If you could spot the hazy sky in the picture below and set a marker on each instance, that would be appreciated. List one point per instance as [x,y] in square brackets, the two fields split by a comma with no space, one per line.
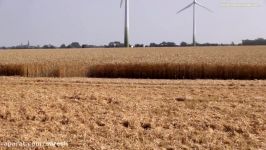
[101,21]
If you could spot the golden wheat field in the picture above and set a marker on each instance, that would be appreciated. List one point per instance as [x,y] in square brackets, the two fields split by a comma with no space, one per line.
[154,63]
[199,55]
[133,114]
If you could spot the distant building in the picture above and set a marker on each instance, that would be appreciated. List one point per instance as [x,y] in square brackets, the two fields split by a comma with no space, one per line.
[22,46]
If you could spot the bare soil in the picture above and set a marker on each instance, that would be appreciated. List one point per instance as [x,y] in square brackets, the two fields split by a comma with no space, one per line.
[133,114]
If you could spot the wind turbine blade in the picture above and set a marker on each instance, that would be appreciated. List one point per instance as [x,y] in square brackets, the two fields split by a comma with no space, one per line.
[197,3]
[185,8]
[121,3]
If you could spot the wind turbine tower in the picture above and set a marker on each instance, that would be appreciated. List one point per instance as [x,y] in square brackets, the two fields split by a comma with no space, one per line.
[193,4]
[126,34]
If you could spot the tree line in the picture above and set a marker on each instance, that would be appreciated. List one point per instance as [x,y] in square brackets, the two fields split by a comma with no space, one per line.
[117,44]
[259,41]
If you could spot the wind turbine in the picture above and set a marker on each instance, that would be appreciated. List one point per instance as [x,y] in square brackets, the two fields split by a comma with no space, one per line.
[126,34]
[193,4]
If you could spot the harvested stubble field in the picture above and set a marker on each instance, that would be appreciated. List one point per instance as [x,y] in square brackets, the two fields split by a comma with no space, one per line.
[133,114]
[155,63]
